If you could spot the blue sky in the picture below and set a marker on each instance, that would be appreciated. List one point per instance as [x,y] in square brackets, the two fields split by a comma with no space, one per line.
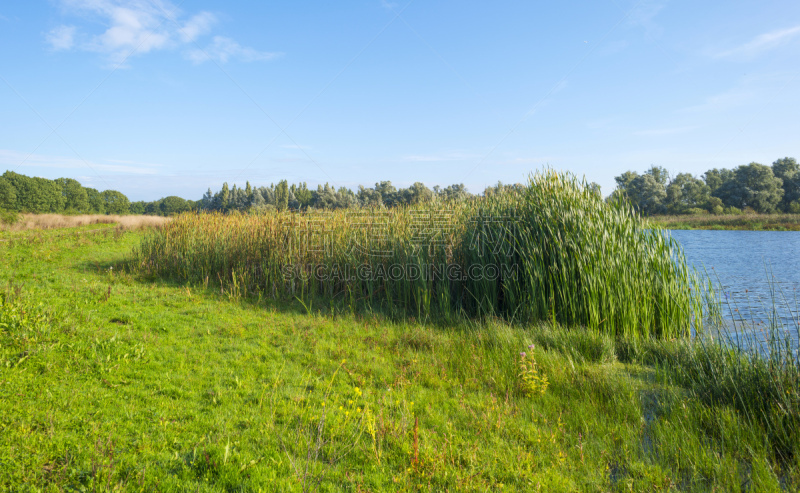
[157,98]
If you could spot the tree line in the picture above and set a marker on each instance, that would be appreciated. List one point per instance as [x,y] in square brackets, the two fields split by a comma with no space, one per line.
[283,196]
[750,187]
[20,193]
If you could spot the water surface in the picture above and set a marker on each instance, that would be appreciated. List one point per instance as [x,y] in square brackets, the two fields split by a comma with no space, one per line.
[750,270]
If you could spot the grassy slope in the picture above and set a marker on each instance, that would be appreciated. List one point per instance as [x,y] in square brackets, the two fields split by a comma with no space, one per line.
[151,385]
[749,222]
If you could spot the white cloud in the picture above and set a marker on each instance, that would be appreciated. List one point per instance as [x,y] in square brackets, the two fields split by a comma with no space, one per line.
[762,43]
[197,26]
[223,49]
[61,38]
[136,27]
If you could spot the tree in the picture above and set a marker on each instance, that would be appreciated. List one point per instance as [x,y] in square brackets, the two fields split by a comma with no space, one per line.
[282,195]
[325,197]
[388,193]
[248,191]
[207,202]
[417,193]
[115,202]
[788,171]
[258,201]
[624,180]
[222,198]
[454,192]
[96,204]
[37,195]
[686,192]
[8,195]
[303,195]
[138,207]
[173,205]
[345,198]
[75,197]
[647,192]
[755,186]
[153,208]
[716,179]
[368,197]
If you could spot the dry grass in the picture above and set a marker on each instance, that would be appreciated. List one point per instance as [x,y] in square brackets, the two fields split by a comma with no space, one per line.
[53,221]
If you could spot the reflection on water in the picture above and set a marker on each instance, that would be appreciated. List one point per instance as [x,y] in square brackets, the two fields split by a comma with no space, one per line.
[756,274]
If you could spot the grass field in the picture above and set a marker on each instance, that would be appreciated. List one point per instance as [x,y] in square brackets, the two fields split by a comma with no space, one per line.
[113,382]
[748,222]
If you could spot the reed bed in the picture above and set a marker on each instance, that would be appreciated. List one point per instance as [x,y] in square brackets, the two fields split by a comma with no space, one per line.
[552,251]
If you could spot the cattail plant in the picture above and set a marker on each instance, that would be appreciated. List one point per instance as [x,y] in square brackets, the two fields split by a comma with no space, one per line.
[554,250]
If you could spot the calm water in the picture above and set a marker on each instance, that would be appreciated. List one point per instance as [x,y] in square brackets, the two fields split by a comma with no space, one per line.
[749,267]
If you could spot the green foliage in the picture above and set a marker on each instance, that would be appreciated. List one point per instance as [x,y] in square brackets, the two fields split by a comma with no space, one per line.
[115,202]
[716,178]
[282,196]
[417,193]
[9,217]
[685,193]
[647,192]
[761,188]
[76,199]
[37,195]
[8,195]
[138,208]
[96,203]
[172,205]
[788,170]
[754,186]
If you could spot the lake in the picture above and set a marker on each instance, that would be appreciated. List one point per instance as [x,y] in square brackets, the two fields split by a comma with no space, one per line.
[749,270]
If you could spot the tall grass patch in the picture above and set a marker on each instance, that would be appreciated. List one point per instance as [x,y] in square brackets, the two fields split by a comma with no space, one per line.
[553,250]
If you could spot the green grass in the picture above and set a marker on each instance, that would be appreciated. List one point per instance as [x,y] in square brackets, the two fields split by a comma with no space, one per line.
[109,381]
[748,222]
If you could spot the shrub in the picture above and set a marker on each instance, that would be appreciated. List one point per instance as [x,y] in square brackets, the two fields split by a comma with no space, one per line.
[9,217]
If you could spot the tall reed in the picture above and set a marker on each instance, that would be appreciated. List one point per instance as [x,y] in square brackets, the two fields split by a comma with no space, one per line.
[554,250]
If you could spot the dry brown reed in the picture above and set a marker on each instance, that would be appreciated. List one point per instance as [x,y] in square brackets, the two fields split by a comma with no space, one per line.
[54,221]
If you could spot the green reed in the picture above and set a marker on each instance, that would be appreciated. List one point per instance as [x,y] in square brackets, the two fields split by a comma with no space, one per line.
[553,251]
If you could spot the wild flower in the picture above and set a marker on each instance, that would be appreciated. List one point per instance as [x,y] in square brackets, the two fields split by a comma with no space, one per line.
[532,380]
